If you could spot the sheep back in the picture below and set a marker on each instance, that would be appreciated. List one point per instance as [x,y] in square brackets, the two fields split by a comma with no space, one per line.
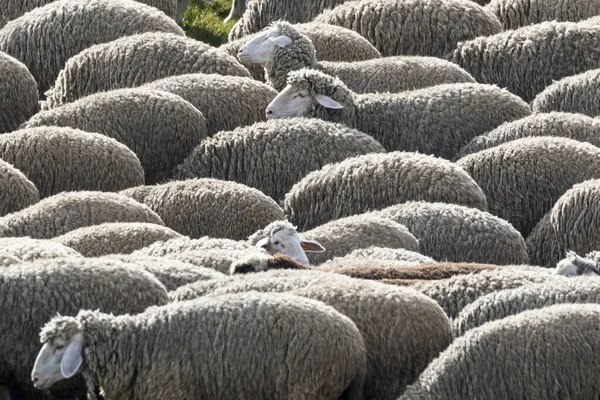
[386,254]
[25,249]
[16,191]
[185,244]
[542,244]
[19,97]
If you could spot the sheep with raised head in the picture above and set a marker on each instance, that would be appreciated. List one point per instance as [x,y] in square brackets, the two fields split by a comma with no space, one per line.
[19,98]
[134,60]
[272,328]
[16,190]
[211,207]
[438,120]
[64,159]
[523,178]
[66,211]
[282,48]
[374,181]
[39,38]
[146,121]
[272,156]
[450,232]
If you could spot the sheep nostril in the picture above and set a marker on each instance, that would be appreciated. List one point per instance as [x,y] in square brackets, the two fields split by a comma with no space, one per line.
[35,379]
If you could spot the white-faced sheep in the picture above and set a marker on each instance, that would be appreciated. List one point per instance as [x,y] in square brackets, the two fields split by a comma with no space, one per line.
[576,94]
[525,60]
[282,48]
[268,330]
[438,120]
[64,159]
[227,102]
[548,353]
[19,97]
[450,232]
[271,156]
[40,41]
[514,14]
[134,60]
[574,126]
[522,179]
[396,351]
[16,191]
[575,265]
[33,292]
[220,209]
[66,211]
[146,121]
[414,27]
[24,249]
[115,237]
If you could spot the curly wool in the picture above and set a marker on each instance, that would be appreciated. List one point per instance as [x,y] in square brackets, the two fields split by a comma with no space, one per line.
[185,244]
[545,353]
[25,249]
[38,39]
[573,126]
[32,293]
[374,181]
[414,27]
[134,60]
[146,121]
[438,120]
[522,179]
[227,102]
[275,326]
[16,191]
[19,97]
[450,232]
[211,207]
[115,237]
[525,60]
[218,259]
[64,159]
[67,211]
[396,351]
[271,156]
[385,254]
[514,14]
[576,94]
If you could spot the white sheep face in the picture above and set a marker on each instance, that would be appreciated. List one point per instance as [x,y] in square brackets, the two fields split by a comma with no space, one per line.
[287,241]
[57,360]
[259,49]
[294,102]
[574,265]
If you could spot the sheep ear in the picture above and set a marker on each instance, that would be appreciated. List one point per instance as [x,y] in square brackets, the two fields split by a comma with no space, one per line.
[328,102]
[311,246]
[282,41]
[72,359]
[264,243]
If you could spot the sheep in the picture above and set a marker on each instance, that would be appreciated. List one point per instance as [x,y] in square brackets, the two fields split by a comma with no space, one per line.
[571,224]
[115,237]
[19,98]
[275,327]
[40,41]
[573,126]
[33,292]
[171,273]
[64,159]
[450,232]
[134,60]
[220,209]
[386,254]
[504,303]
[271,156]
[185,244]
[438,120]
[227,102]
[522,179]
[396,351]
[545,353]
[514,14]
[218,259]
[146,121]
[282,48]
[66,211]
[454,294]
[25,249]
[525,60]
[414,27]
[374,181]
[16,191]
[332,43]
[576,94]
[574,265]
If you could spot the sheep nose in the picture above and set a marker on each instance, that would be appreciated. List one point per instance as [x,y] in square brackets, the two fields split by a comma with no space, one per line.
[269,112]
[35,379]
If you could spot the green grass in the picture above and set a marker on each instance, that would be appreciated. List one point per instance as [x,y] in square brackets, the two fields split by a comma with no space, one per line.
[204,21]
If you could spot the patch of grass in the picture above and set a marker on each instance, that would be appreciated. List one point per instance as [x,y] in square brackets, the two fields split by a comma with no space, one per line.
[204,21]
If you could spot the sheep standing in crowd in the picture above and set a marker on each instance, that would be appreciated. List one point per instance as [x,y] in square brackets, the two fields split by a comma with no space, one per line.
[185,244]
[19,97]
[25,249]
[16,191]
[514,14]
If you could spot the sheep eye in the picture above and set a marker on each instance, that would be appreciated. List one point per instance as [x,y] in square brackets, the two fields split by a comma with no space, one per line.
[276,243]
[301,95]
[60,347]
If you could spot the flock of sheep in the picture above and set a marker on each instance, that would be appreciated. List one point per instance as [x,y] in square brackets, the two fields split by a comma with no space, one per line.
[352,199]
